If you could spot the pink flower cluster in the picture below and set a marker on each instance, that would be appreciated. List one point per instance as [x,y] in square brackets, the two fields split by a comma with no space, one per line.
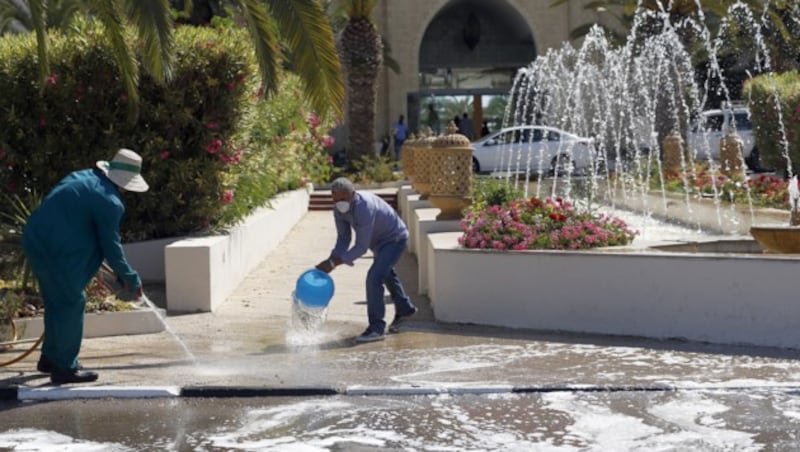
[227,196]
[224,151]
[535,224]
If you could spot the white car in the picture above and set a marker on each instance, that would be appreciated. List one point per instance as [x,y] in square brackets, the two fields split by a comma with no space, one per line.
[705,134]
[543,149]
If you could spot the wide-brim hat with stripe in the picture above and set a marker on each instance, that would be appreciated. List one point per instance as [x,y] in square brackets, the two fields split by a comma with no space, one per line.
[125,170]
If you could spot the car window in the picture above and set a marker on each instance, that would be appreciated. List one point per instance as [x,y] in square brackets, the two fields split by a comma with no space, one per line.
[742,121]
[538,135]
[714,123]
[500,138]
[553,136]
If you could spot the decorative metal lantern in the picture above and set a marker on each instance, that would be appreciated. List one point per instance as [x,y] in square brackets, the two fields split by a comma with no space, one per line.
[451,174]
[423,159]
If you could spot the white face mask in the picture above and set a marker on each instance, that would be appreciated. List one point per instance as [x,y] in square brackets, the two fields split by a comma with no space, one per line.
[343,206]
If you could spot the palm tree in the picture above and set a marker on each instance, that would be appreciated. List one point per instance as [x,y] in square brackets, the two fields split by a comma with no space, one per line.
[15,15]
[361,52]
[302,23]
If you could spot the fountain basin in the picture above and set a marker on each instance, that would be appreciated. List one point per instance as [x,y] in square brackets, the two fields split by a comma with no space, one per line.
[778,239]
[742,297]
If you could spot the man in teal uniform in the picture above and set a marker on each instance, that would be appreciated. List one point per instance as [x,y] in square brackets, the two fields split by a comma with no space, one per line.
[65,240]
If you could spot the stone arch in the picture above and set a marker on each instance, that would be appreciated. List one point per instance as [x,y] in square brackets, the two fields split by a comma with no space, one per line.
[476,36]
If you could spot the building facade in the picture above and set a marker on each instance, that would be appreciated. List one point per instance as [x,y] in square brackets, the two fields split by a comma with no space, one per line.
[461,56]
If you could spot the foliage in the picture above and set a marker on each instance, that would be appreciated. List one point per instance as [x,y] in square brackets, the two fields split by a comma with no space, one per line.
[529,224]
[372,168]
[209,144]
[775,109]
[301,25]
[13,217]
[488,191]
[11,303]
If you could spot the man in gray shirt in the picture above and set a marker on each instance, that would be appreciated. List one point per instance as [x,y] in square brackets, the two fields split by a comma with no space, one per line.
[380,229]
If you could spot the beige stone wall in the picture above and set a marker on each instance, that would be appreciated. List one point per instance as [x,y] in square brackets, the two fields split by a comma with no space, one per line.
[403,24]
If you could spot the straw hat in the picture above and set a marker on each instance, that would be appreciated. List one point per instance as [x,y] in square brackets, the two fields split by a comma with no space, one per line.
[125,170]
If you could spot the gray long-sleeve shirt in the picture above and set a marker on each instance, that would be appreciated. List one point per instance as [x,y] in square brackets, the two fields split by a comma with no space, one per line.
[375,222]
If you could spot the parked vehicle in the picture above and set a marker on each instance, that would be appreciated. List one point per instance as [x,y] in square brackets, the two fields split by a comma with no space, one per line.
[706,133]
[543,149]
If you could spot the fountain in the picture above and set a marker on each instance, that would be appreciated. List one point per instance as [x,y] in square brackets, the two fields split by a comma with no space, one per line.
[637,102]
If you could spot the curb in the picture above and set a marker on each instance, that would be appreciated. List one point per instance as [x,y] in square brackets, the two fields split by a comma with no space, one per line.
[238,391]
[142,392]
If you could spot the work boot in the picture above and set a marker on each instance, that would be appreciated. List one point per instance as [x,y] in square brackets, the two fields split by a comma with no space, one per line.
[399,319]
[370,336]
[72,376]
[46,366]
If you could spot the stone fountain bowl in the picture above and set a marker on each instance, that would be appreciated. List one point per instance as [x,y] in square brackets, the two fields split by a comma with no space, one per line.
[778,239]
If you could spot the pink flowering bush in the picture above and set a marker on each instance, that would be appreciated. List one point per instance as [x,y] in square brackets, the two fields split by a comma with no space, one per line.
[533,224]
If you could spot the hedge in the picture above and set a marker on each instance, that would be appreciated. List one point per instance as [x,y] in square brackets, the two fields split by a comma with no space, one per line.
[767,92]
[213,151]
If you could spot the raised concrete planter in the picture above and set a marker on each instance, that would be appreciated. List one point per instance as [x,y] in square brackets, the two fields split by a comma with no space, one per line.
[414,203]
[147,258]
[142,321]
[715,297]
[201,272]
[402,201]
[426,223]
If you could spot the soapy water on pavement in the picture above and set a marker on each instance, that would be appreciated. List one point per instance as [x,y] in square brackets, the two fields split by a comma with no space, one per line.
[306,324]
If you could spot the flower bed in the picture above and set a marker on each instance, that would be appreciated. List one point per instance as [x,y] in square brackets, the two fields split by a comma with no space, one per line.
[533,224]
[764,190]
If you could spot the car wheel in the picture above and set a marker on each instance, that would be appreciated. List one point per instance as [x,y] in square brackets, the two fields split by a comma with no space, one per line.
[476,167]
[753,161]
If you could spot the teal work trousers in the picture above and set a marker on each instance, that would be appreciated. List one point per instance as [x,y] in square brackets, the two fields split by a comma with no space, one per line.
[64,305]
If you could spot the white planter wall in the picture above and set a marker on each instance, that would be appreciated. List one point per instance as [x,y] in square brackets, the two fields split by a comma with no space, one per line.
[147,258]
[201,272]
[719,298]
[143,321]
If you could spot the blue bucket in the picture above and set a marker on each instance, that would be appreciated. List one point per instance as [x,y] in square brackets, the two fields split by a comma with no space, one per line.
[314,288]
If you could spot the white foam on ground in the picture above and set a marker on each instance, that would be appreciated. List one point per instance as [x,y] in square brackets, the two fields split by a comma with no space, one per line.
[262,422]
[47,441]
[691,417]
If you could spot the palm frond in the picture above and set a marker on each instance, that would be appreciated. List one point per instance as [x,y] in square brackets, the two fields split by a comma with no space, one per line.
[154,27]
[357,9]
[39,21]
[265,40]
[388,61]
[15,17]
[306,28]
[111,17]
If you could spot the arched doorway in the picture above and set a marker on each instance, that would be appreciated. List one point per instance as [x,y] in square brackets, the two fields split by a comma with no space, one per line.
[469,55]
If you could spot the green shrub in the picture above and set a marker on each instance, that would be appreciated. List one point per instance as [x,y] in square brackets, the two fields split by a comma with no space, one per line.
[766,93]
[487,191]
[212,150]
[374,169]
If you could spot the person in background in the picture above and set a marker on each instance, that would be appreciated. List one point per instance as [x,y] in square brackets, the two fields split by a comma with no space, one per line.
[433,119]
[400,135]
[465,127]
[380,229]
[485,129]
[66,240]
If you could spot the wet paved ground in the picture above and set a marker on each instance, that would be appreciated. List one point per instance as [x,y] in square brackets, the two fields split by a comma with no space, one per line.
[556,421]
[506,389]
